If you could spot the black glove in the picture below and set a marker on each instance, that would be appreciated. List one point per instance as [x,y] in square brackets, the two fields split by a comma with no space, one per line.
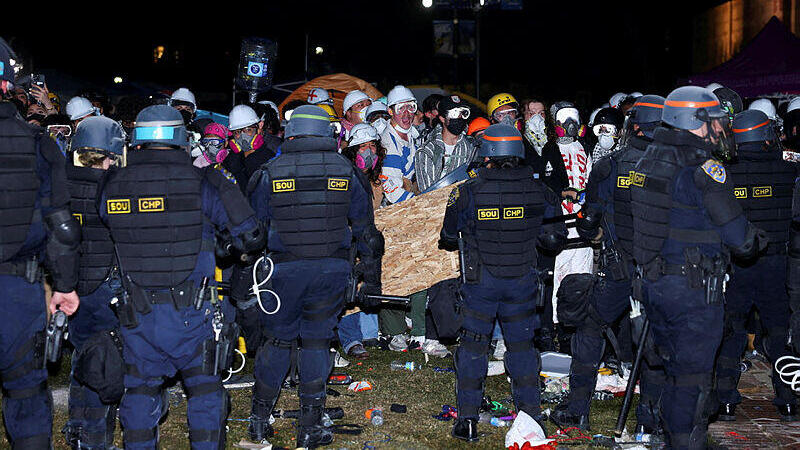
[368,289]
[249,320]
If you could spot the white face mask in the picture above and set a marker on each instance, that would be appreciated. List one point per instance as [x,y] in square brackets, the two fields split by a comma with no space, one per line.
[606,141]
[403,130]
[380,124]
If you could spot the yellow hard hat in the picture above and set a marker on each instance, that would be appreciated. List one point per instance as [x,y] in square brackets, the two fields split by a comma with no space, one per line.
[331,112]
[498,101]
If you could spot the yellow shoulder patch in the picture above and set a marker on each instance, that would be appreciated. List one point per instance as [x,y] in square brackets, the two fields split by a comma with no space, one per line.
[453,198]
[715,170]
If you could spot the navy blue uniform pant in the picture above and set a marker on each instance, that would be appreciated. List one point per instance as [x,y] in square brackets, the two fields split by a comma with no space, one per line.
[311,294]
[610,301]
[167,342]
[687,333]
[27,405]
[91,422]
[762,285]
[511,301]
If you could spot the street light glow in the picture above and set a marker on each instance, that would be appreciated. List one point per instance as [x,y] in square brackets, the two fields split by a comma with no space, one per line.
[319,50]
[427,3]
[117,80]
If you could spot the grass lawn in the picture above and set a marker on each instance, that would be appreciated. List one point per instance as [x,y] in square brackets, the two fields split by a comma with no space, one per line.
[423,392]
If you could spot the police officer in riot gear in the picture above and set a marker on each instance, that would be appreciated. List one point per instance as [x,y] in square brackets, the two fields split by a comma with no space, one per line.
[608,196]
[763,182]
[313,206]
[35,225]
[499,215]
[162,211]
[98,143]
[686,220]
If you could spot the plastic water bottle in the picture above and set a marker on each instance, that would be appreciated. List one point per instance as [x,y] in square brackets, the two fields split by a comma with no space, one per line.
[375,415]
[494,421]
[400,365]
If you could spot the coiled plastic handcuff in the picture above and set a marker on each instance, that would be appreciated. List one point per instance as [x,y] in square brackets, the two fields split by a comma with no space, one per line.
[790,371]
[257,285]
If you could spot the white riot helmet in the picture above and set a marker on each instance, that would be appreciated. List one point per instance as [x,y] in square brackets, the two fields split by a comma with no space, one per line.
[183,95]
[80,107]
[400,94]
[242,116]
[764,105]
[360,133]
[352,98]
[793,104]
[714,86]
[616,99]
[319,96]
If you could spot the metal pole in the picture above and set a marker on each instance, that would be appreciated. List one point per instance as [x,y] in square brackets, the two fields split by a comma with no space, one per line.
[478,53]
[305,74]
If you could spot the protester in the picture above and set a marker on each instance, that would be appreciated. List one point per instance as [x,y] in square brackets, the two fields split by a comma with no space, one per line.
[378,116]
[354,108]
[477,127]
[399,139]
[448,146]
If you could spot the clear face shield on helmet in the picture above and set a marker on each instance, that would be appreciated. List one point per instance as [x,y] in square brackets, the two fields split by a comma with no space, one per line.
[628,129]
[719,135]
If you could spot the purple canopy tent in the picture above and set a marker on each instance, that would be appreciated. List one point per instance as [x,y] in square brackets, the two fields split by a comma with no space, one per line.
[769,64]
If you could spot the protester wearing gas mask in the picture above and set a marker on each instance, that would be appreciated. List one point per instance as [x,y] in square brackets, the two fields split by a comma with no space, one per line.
[448,146]
[245,140]
[183,100]
[606,126]
[214,145]
[504,108]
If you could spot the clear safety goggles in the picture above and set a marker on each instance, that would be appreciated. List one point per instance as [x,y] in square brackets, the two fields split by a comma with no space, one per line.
[406,107]
[64,130]
[212,141]
[458,113]
[604,129]
[500,115]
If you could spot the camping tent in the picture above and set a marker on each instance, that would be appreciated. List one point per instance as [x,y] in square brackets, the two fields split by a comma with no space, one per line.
[337,84]
[769,64]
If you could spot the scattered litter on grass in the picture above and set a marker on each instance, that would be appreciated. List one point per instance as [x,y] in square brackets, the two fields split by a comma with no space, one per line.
[358,386]
[448,412]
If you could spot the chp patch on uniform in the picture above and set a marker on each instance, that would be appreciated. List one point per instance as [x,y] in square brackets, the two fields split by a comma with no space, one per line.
[516,212]
[762,191]
[637,179]
[453,198]
[151,204]
[118,205]
[286,185]
[715,170]
[338,184]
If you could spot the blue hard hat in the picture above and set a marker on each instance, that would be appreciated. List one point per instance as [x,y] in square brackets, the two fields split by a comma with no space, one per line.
[99,134]
[309,120]
[752,125]
[501,140]
[160,124]
[689,107]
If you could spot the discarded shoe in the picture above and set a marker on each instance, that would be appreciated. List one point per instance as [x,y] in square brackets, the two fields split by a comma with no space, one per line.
[433,347]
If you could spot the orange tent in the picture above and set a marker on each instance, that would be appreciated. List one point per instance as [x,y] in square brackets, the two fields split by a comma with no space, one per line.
[337,84]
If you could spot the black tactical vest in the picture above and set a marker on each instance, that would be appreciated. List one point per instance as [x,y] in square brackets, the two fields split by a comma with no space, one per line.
[652,185]
[310,197]
[763,184]
[97,250]
[509,206]
[626,161]
[154,211]
[19,184]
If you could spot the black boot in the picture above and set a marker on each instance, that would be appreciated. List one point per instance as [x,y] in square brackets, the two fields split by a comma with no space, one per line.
[466,430]
[727,412]
[260,428]
[788,412]
[565,419]
[310,432]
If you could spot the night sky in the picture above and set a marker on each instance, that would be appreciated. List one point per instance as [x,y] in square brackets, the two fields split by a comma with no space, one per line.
[582,51]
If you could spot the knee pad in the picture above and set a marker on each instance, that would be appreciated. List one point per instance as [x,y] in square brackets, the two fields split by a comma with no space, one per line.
[474,342]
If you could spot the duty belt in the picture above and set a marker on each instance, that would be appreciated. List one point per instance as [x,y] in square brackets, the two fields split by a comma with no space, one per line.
[282,257]
[28,269]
